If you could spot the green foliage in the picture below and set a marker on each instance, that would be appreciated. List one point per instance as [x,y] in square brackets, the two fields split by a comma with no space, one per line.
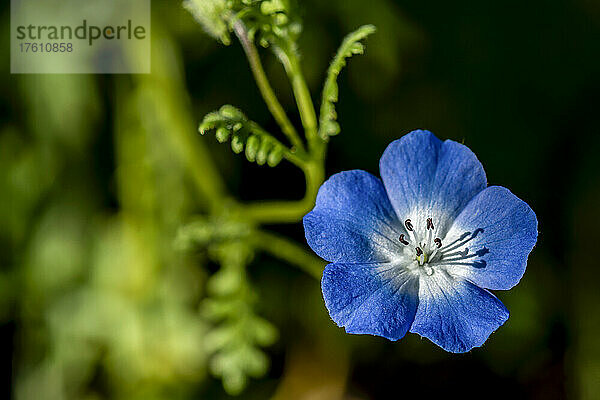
[235,340]
[229,123]
[234,343]
[212,16]
[351,45]
[271,22]
[204,231]
[100,292]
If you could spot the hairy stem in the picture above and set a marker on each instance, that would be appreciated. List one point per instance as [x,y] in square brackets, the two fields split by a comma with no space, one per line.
[301,93]
[272,212]
[264,86]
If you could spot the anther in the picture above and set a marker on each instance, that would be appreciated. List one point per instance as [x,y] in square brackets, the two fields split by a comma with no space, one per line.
[408,225]
[438,242]
[402,240]
[419,251]
[429,224]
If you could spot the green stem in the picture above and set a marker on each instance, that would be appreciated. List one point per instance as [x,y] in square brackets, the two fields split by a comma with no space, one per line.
[302,95]
[288,251]
[312,163]
[263,85]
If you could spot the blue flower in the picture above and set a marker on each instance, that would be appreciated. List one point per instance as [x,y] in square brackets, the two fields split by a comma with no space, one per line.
[420,251]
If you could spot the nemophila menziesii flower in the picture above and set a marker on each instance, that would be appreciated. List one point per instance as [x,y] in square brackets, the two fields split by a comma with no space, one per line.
[420,251]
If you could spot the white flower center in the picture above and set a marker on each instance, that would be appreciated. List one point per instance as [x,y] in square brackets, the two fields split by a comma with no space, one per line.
[425,250]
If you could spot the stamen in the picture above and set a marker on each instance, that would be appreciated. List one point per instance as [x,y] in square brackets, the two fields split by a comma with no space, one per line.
[462,240]
[459,255]
[419,251]
[438,242]
[475,264]
[408,225]
[458,242]
[402,240]
[430,224]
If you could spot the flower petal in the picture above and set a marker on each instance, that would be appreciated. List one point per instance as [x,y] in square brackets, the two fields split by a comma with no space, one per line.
[375,299]
[455,314]
[506,233]
[353,220]
[425,177]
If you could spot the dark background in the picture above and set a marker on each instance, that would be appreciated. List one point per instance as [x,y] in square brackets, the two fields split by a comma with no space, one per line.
[517,82]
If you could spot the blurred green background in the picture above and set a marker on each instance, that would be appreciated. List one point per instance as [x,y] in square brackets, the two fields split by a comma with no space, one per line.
[98,173]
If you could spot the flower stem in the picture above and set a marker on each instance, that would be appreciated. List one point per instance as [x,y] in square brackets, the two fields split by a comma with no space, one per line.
[264,86]
[313,167]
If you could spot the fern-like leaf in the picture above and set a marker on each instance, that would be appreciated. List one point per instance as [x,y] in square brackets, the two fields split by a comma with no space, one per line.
[229,123]
[212,15]
[236,340]
[271,22]
[238,334]
[351,45]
